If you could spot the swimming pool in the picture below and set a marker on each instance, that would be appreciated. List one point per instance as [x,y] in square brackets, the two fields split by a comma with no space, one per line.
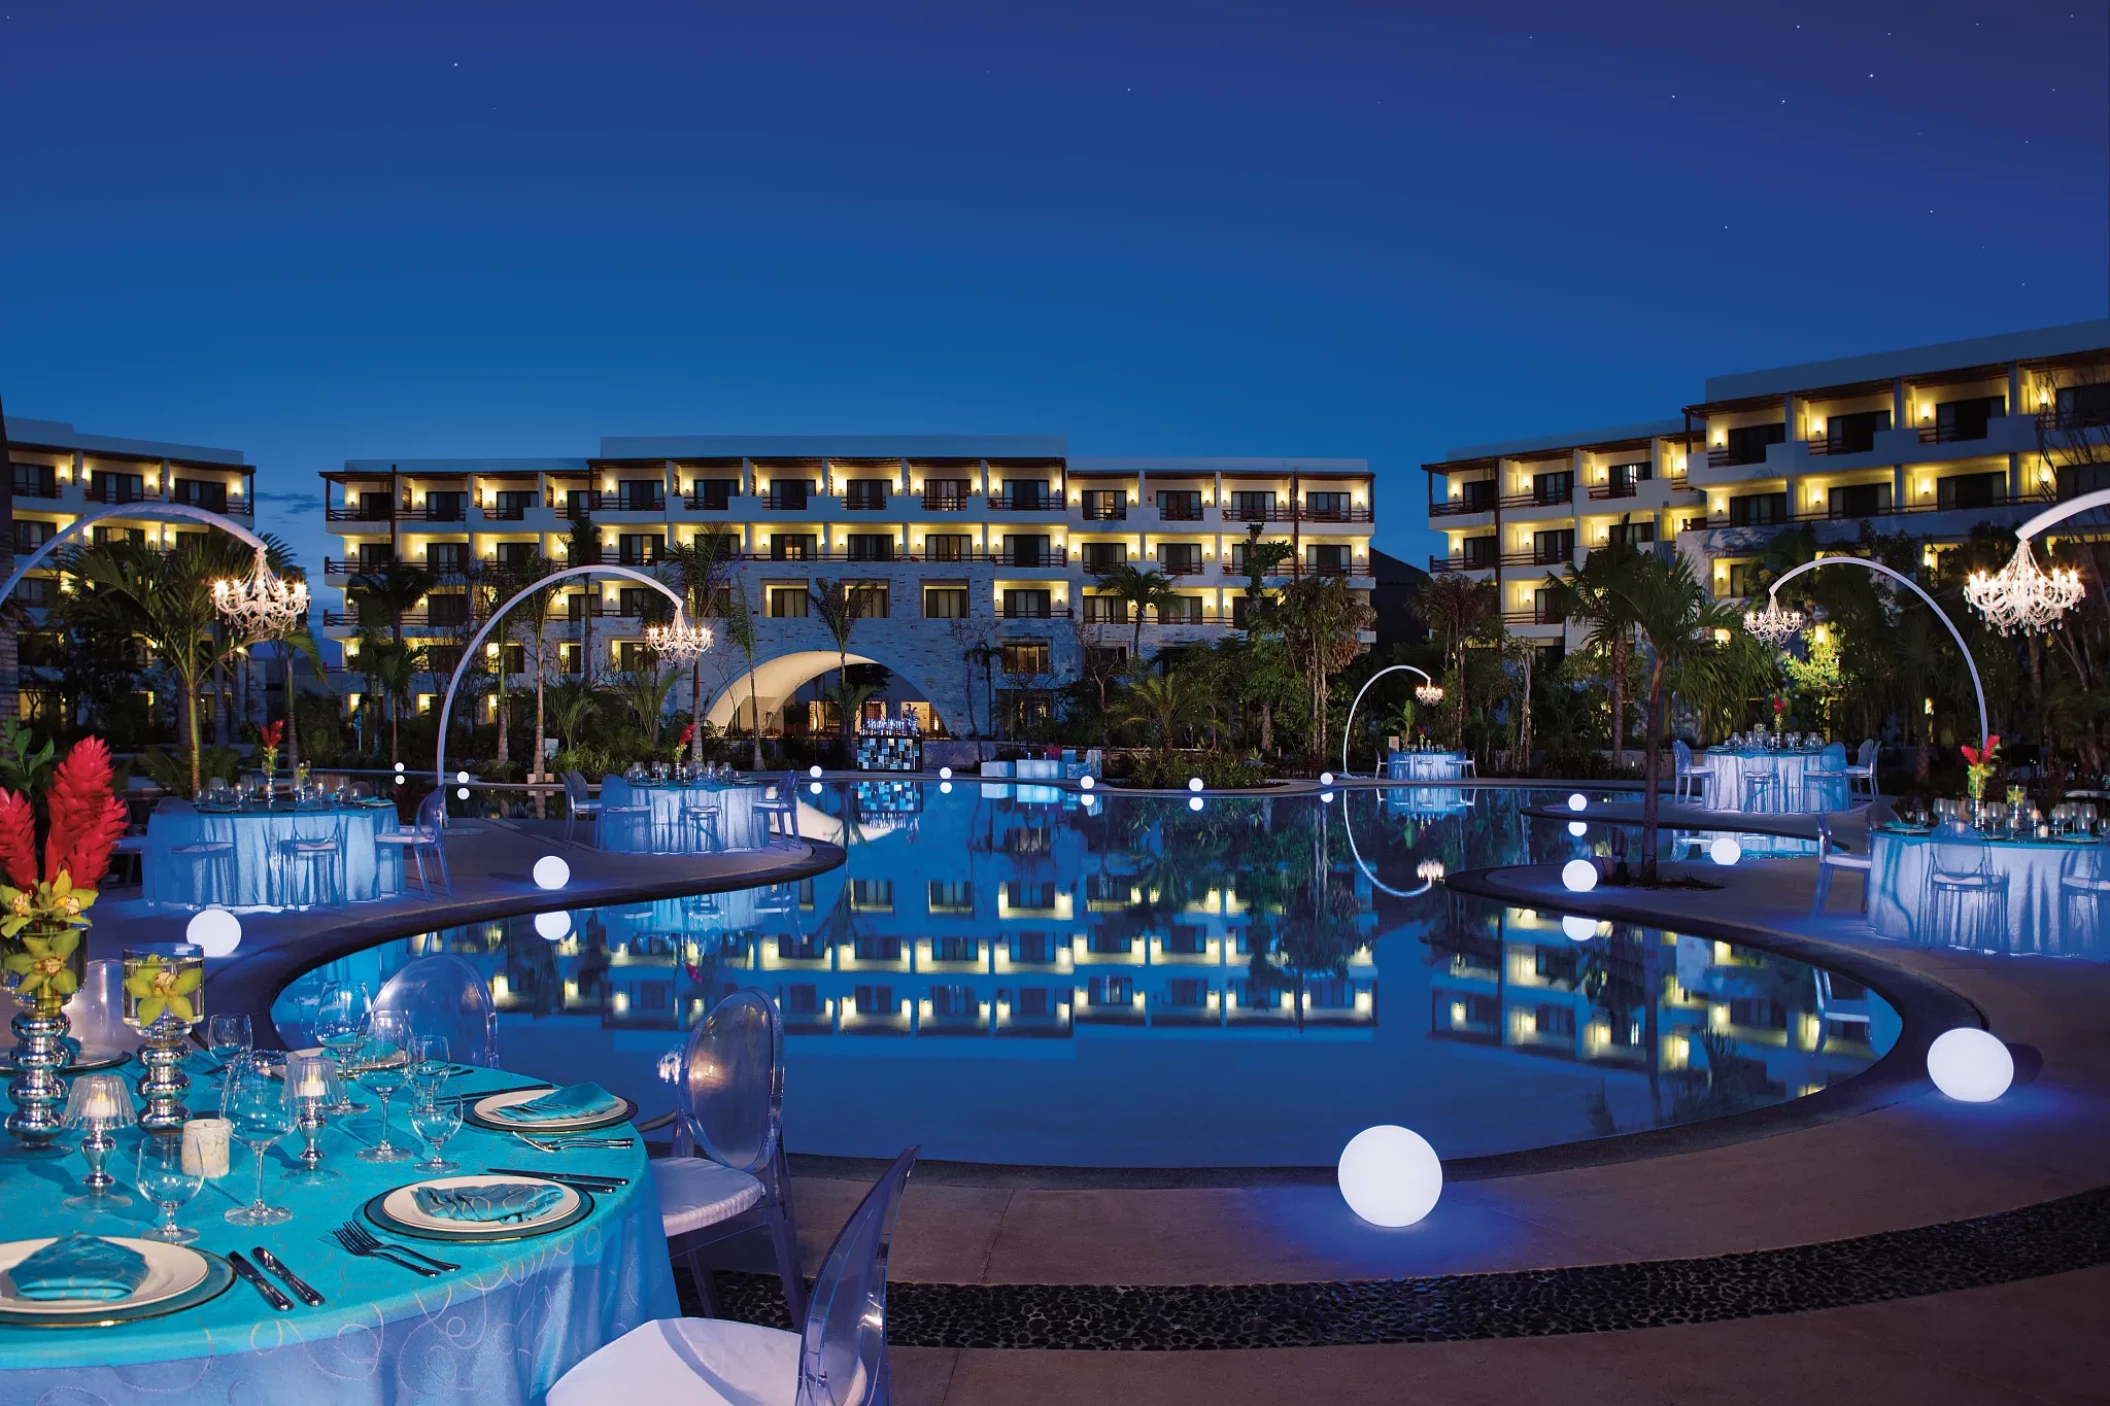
[1015,974]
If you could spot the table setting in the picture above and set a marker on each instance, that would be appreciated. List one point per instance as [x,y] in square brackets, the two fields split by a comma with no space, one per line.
[2013,856]
[246,847]
[1796,773]
[677,808]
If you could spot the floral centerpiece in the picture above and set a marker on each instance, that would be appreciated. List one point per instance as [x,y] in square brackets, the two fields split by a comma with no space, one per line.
[1980,765]
[269,739]
[40,929]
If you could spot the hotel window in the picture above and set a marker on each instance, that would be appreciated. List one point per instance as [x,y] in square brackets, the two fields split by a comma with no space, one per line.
[872,895]
[802,999]
[1758,509]
[373,505]
[36,592]
[373,556]
[955,949]
[871,546]
[514,656]
[631,601]
[1186,993]
[118,488]
[451,505]
[632,657]
[792,546]
[1105,504]
[580,502]
[31,534]
[1029,494]
[1253,505]
[1027,551]
[1180,504]
[1106,610]
[1033,1001]
[1180,558]
[447,558]
[790,492]
[877,949]
[869,602]
[955,1001]
[513,556]
[440,659]
[1327,507]
[1028,605]
[1631,534]
[452,608]
[945,602]
[1624,477]
[1553,548]
[1555,487]
[1858,500]
[640,548]
[579,604]
[802,947]
[1025,657]
[946,494]
[1102,557]
[1033,949]
[512,504]
[1971,491]
[1180,610]
[1746,444]
[1241,610]
[1546,607]
[1479,495]
[2081,406]
[1966,419]
[713,494]
[1742,579]
[641,495]
[1031,897]
[866,494]
[874,1000]
[951,896]
[1112,991]
[1477,552]
[1854,434]
[569,662]
[949,546]
[36,481]
[789,603]
[1187,940]
[1327,561]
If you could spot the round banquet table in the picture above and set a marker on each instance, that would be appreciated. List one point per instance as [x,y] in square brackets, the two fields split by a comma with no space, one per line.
[1424,766]
[498,1331]
[174,880]
[1901,899]
[668,830]
[1726,770]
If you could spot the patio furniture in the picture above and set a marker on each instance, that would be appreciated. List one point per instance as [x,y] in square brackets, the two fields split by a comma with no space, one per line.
[838,1358]
[703,817]
[1688,782]
[577,802]
[1761,787]
[444,995]
[425,837]
[1961,873]
[1825,782]
[777,812]
[309,865]
[2090,885]
[1831,857]
[1864,769]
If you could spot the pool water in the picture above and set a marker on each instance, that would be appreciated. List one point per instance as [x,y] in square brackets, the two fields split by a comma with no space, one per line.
[1014,974]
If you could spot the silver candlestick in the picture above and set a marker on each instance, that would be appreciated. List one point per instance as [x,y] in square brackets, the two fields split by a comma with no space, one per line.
[37,1091]
[164,1085]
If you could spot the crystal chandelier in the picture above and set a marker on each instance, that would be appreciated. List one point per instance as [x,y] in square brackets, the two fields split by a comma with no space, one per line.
[1430,694]
[679,642]
[2022,597]
[262,604]
[1773,625]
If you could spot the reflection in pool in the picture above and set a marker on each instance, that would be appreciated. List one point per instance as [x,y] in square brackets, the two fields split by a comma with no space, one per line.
[1012,975]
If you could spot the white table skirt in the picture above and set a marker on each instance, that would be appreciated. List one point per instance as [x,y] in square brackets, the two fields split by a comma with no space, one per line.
[1726,771]
[2039,919]
[669,831]
[246,881]
[1424,766]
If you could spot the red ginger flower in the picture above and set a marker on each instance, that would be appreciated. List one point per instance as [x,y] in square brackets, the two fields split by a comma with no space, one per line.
[273,734]
[18,840]
[86,820]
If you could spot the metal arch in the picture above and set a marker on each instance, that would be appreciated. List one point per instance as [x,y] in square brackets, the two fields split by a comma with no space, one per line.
[1348,728]
[2100,498]
[1984,729]
[1368,873]
[163,511]
[439,769]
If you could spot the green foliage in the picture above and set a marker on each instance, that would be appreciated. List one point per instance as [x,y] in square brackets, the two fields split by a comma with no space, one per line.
[172,773]
[24,767]
[1218,770]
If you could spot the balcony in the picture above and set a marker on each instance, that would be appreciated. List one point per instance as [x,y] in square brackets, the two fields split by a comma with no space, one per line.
[360,513]
[1106,512]
[1043,502]
[575,503]
[1183,567]
[507,512]
[1538,615]
[1052,556]
[1180,512]
[1359,566]
[1628,489]
[865,502]
[1027,612]
[1458,561]
[947,502]
[1487,503]
[1333,514]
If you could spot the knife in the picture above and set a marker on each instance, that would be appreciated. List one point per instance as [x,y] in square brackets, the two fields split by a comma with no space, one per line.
[590,1180]
[293,1281]
[487,1093]
[257,1281]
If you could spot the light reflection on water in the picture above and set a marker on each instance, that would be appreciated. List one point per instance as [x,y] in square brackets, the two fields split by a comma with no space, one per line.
[1003,974]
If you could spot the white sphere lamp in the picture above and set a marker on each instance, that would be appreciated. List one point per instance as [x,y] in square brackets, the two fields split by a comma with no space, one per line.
[551,872]
[814,787]
[1578,829]
[1085,783]
[1578,928]
[462,777]
[1390,1176]
[1577,801]
[945,773]
[553,925]
[1326,778]
[1579,876]
[1194,803]
[1725,851]
[1970,1065]
[215,930]
[944,788]
[399,766]
[1194,783]
[1325,798]
[814,771]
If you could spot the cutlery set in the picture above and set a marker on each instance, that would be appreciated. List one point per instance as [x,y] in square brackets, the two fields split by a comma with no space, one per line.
[269,1290]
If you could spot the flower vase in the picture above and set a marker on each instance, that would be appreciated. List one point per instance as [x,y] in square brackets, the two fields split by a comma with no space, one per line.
[162,1001]
[44,964]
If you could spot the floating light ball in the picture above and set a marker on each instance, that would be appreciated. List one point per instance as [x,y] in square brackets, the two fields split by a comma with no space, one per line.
[215,930]
[551,872]
[1725,851]
[1326,778]
[399,766]
[552,926]
[462,777]
[945,773]
[1325,798]
[1579,876]
[945,788]
[814,771]
[461,793]
[1085,783]
[1579,929]
[1194,783]
[1970,1065]
[814,787]
[1578,829]
[1390,1176]
[399,778]
[1577,801]
[1194,803]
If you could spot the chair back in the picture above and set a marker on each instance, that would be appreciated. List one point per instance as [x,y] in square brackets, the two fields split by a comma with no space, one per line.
[842,1345]
[1867,754]
[732,1083]
[1959,851]
[1824,836]
[1833,757]
[432,815]
[1681,753]
[359,791]
[574,787]
[443,995]
[174,805]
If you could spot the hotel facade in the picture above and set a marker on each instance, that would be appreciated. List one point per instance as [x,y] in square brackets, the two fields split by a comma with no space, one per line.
[973,561]
[1932,440]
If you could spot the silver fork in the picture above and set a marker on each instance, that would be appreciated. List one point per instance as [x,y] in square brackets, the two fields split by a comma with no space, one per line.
[356,1241]
[565,1144]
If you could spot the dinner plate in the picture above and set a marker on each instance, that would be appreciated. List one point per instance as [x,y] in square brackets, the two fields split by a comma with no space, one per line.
[397,1211]
[488,1112]
[171,1270]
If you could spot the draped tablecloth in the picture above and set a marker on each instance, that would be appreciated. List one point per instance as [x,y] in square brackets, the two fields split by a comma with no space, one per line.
[1424,766]
[497,1332]
[2039,920]
[261,877]
[668,830]
[1727,769]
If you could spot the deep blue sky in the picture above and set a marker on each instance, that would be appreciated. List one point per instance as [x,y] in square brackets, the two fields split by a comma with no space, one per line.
[320,232]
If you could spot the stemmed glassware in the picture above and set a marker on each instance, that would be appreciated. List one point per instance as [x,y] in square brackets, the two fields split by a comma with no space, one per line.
[164,1181]
[429,1063]
[340,1024]
[436,1120]
[314,1087]
[262,1112]
[227,1036]
[382,1063]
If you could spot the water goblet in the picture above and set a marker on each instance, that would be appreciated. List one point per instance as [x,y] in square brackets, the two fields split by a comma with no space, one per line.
[382,1063]
[261,1112]
[227,1036]
[429,1063]
[435,1119]
[340,1020]
[163,1181]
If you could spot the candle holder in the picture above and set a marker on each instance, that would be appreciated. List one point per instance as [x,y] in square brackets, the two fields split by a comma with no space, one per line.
[314,1087]
[97,1104]
[163,1000]
[44,965]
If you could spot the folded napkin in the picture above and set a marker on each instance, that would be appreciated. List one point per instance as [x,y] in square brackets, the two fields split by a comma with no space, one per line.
[79,1266]
[494,1203]
[571,1101]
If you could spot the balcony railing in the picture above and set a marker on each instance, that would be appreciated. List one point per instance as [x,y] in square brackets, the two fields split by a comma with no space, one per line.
[1106,512]
[1183,568]
[360,513]
[1179,512]
[1359,566]
[1628,489]
[865,502]
[1024,503]
[507,512]
[1027,612]
[1534,616]
[1953,434]
[1053,556]
[700,502]
[1333,514]
[1455,507]
[2068,421]
[1826,514]
[1458,561]
[946,502]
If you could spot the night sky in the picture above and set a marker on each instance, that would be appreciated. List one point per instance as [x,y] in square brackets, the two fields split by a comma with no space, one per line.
[315,232]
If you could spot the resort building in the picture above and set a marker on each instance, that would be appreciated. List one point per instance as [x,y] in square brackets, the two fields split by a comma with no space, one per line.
[974,562]
[1933,440]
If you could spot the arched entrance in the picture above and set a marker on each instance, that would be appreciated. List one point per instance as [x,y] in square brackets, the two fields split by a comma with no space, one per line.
[777,678]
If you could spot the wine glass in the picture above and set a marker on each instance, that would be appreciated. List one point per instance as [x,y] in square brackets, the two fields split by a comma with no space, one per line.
[429,1063]
[435,1119]
[164,1181]
[382,1063]
[227,1036]
[340,1021]
[261,1113]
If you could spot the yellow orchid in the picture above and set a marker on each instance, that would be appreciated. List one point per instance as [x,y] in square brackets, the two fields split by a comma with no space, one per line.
[154,987]
[42,965]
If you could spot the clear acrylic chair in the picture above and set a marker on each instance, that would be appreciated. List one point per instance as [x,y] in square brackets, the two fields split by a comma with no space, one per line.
[1863,771]
[626,821]
[444,995]
[207,862]
[701,819]
[308,865]
[578,802]
[777,811]
[1686,779]
[426,837]
[2089,885]
[1829,858]
[728,1156]
[1761,787]
[1825,783]
[1962,873]
[837,1358]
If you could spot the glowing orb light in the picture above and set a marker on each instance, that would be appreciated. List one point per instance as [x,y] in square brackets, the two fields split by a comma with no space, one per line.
[552,926]
[216,930]
[461,793]
[1390,1175]
[1579,929]
[399,766]
[1085,783]
[1579,876]
[1725,851]
[814,787]
[551,872]
[1194,783]
[399,778]
[945,773]
[462,777]
[1325,798]
[1576,801]
[1326,778]
[1578,829]
[1194,803]
[945,787]
[1970,1065]
[814,771]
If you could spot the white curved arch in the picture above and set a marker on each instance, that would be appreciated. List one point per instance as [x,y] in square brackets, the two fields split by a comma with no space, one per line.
[779,676]
[2100,498]
[1368,872]
[1348,728]
[439,768]
[169,512]
[1773,594]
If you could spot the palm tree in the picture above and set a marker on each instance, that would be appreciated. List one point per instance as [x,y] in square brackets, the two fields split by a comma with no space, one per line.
[396,670]
[699,570]
[1164,704]
[1589,593]
[1320,620]
[583,548]
[1141,589]
[1457,610]
[644,692]
[740,628]
[572,706]
[1677,615]
[838,611]
[392,589]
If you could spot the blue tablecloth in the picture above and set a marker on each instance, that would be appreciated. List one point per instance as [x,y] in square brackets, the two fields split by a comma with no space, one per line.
[1901,900]
[1424,766]
[497,1332]
[261,877]
[668,830]
[1727,769]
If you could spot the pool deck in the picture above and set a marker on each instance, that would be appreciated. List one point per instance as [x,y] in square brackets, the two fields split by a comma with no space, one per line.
[1882,1320]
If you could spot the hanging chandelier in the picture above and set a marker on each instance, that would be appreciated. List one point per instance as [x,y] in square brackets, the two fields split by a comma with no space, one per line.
[2021,596]
[1430,694]
[679,642]
[1774,625]
[262,604]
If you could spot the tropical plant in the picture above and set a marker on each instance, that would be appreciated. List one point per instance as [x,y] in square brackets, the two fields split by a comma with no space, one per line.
[389,591]
[1589,593]
[1164,704]
[740,629]
[1141,590]
[1321,622]
[836,605]
[699,567]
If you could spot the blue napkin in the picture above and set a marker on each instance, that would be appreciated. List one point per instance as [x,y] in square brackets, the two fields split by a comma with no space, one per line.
[572,1101]
[495,1203]
[79,1266]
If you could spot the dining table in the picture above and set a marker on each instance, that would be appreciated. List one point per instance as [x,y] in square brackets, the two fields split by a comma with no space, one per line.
[666,823]
[1792,771]
[254,871]
[2038,916]
[497,1331]
[1424,766]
